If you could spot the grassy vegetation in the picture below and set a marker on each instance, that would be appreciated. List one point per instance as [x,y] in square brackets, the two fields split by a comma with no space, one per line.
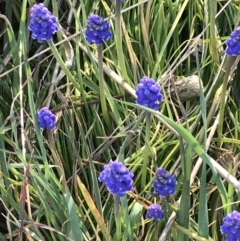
[49,188]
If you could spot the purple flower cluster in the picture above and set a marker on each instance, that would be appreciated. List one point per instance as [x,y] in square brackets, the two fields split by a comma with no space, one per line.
[155,211]
[233,43]
[42,23]
[231,226]
[148,93]
[98,30]
[117,178]
[164,184]
[46,119]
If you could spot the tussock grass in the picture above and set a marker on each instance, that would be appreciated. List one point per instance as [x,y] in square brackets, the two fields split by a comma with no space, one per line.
[49,187]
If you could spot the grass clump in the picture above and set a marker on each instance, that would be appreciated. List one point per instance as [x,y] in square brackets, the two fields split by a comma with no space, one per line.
[146,84]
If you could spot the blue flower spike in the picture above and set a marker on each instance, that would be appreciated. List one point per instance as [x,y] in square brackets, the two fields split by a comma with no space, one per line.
[42,23]
[231,226]
[117,178]
[233,43]
[164,183]
[149,93]
[155,212]
[46,119]
[98,30]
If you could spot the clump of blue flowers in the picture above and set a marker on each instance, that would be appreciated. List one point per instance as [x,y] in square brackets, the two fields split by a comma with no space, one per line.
[233,43]
[117,178]
[98,30]
[164,183]
[231,226]
[42,23]
[155,212]
[46,119]
[149,93]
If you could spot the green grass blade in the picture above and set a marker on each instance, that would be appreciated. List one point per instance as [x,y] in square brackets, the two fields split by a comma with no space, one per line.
[75,229]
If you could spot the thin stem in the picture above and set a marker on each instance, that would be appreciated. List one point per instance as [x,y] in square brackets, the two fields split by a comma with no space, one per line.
[156,230]
[165,202]
[230,189]
[146,150]
[118,40]
[229,65]
[101,86]
[117,217]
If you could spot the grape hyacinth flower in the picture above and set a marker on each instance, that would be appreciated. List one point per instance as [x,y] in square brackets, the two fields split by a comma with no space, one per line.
[117,178]
[231,226]
[233,43]
[42,23]
[155,211]
[148,93]
[98,30]
[46,119]
[164,184]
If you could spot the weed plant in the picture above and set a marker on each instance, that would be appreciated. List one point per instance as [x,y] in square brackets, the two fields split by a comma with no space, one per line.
[50,188]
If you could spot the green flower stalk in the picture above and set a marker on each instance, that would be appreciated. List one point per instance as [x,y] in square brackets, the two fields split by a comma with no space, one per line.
[147,150]
[232,50]
[97,31]
[117,217]
[229,65]
[101,86]
[148,94]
